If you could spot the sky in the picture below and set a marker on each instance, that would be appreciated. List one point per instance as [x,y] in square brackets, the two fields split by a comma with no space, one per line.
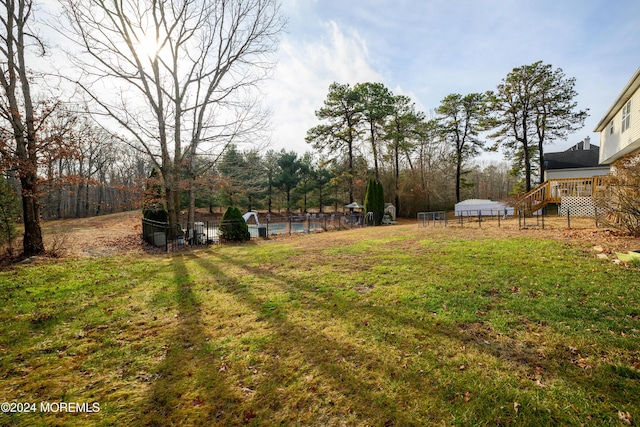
[427,49]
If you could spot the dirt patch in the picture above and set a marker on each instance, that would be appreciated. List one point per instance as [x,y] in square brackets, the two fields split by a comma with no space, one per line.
[527,357]
[97,236]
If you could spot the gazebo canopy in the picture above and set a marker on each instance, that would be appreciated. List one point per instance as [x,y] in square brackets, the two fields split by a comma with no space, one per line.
[354,205]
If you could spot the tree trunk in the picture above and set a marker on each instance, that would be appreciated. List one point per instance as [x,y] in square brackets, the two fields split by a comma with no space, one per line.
[176,227]
[527,168]
[458,178]
[397,173]
[541,157]
[191,214]
[100,197]
[288,201]
[32,243]
[23,127]
[87,203]
[304,198]
[78,201]
[350,170]
[170,198]
[374,150]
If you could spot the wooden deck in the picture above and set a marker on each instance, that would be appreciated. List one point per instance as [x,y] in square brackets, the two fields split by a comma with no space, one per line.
[552,191]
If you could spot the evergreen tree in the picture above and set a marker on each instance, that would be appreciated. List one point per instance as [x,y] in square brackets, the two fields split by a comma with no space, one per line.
[460,123]
[323,177]
[376,105]
[531,107]
[343,112]
[233,227]
[374,202]
[401,135]
[270,166]
[287,176]
[232,169]
[307,182]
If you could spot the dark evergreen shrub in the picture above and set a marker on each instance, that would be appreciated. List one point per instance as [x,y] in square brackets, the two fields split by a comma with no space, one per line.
[156,213]
[233,227]
[374,202]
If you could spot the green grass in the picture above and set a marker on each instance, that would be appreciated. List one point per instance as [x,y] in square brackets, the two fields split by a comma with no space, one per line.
[392,326]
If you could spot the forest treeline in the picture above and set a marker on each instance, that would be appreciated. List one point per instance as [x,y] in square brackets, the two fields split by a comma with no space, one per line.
[86,171]
[83,170]
[285,181]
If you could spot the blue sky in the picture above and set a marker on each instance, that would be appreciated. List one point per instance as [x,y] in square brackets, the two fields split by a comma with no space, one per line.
[427,49]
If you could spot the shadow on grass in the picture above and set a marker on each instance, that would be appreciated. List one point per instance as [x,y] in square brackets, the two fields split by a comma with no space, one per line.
[312,374]
[41,308]
[187,388]
[356,378]
[583,389]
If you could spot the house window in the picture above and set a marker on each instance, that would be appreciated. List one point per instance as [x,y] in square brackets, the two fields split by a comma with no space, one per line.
[626,116]
[611,128]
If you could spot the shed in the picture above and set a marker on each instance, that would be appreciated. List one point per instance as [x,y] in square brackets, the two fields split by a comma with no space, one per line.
[483,207]
[388,207]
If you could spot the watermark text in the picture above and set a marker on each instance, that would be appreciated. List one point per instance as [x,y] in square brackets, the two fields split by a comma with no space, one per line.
[49,407]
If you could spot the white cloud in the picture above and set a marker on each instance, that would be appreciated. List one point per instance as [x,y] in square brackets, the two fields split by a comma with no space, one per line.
[302,77]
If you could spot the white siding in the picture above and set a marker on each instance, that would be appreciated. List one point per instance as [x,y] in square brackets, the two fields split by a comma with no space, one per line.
[575,173]
[613,146]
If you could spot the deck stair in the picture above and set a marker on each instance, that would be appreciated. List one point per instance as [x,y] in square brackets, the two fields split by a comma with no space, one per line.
[552,191]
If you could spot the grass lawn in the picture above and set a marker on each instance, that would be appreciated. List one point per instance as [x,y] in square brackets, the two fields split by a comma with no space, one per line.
[380,326]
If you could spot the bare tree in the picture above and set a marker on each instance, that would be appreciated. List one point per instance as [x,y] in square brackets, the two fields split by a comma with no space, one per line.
[18,111]
[180,73]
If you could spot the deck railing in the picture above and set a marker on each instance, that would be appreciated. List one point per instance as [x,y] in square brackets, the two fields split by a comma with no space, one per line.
[553,190]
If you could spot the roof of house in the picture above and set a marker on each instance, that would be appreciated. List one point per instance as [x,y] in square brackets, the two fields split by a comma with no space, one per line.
[574,157]
[631,87]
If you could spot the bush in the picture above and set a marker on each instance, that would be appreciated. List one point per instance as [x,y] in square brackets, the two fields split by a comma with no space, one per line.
[233,227]
[156,213]
[621,200]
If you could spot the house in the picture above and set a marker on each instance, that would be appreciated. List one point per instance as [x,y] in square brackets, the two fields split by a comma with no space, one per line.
[620,127]
[571,179]
[580,161]
[574,178]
